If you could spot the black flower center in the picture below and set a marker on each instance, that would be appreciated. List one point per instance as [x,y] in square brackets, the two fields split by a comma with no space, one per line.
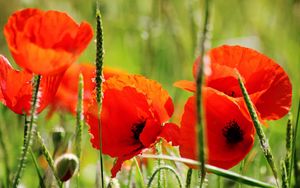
[233,133]
[137,129]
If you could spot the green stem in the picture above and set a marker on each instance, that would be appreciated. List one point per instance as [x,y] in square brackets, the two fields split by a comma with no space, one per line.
[215,170]
[289,146]
[284,175]
[294,155]
[99,64]
[6,158]
[48,157]
[171,169]
[189,178]
[29,133]
[42,185]
[79,123]
[199,82]
[259,130]
[141,177]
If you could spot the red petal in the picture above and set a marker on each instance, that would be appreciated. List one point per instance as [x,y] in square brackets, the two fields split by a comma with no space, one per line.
[171,133]
[186,85]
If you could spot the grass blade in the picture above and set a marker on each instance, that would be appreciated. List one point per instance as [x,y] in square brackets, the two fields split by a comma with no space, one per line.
[171,169]
[259,130]
[215,170]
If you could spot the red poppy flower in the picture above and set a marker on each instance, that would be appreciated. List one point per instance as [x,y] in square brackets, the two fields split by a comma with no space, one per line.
[16,88]
[229,133]
[45,42]
[267,84]
[133,116]
[67,93]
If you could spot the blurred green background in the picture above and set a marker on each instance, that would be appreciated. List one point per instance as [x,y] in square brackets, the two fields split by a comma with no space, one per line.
[159,38]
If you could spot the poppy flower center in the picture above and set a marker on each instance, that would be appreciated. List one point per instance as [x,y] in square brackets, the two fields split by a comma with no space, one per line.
[137,129]
[233,133]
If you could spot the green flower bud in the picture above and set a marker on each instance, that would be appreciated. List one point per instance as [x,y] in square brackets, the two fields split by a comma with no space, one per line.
[58,136]
[66,166]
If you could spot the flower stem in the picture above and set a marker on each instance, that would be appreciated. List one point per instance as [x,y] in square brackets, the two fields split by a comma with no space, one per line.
[29,129]
[215,170]
[171,169]
[99,64]
[199,82]
[261,135]
[189,178]
[79,123]
[48,157]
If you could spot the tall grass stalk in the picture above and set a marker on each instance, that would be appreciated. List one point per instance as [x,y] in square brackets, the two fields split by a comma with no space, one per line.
[259,130]
[289,148]
[42,184]
[140,174]
[294,155]
[199,82]
[99,64]
[29,129]
[188,180]
[79,123]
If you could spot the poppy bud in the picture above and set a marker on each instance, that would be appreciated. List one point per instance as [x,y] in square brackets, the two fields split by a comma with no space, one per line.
[66,166]
[58,136]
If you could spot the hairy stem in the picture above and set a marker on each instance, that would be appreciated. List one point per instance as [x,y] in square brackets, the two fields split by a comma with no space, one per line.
[29,129]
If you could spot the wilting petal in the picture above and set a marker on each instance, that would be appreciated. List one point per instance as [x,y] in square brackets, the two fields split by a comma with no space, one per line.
[186,85]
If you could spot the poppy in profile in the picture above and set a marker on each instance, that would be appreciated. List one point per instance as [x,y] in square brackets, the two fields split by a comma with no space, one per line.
[45,42]
[229,132]
[267,83]
[67,94]
[16,88]
[133,116]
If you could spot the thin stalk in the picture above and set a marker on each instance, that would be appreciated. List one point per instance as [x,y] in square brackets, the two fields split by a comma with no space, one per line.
[99,64]
[289,146]
[29,133]
[48,157]
[294,155]
[284,176]
[259,130]
[171,169]
[188,178]
[129,176]
[79,123]
[140,175]
[215,170]
[199,82]
[42,185]
[159,161]
[6,158]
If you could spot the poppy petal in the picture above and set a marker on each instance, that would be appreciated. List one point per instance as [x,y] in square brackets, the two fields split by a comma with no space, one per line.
[45,42]
[171,133]
[186,85]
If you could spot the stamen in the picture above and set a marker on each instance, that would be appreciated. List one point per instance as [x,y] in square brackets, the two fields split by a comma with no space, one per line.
[233,133]
[137,129]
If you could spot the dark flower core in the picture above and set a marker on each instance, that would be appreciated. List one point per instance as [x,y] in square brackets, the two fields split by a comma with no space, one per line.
[137,129]
[233,133]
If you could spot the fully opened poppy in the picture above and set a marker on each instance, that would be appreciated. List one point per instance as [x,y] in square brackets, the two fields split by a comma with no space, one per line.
[266,82]
[133,116]
[16,88]
[230,134]
[45,42]
[67,94]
